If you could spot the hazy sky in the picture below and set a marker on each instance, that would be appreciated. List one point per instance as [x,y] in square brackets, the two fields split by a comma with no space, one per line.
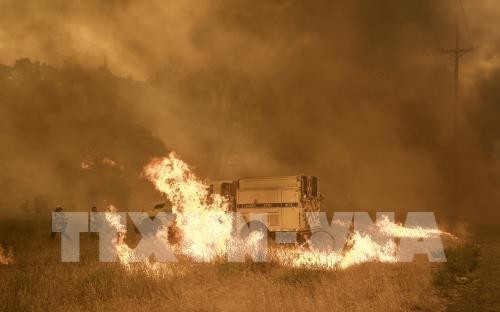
[357,92]
[138,36]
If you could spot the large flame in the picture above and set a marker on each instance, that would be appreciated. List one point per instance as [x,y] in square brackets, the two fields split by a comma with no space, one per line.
[203,219]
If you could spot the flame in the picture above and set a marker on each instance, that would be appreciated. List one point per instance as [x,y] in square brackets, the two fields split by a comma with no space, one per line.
[127,256]
[203,220]
[6,257]
[88,163]
[390,228]
[360,248]
[124,252]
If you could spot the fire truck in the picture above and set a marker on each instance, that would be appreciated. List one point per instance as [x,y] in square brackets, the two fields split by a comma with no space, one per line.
[284,200]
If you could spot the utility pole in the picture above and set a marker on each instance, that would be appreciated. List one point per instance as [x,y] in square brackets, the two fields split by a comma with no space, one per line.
[457,53]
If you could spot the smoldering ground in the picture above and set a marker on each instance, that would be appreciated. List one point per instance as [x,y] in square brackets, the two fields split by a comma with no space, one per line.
[356,92]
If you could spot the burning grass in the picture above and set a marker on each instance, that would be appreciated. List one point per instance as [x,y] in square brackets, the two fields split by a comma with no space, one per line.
[38,281]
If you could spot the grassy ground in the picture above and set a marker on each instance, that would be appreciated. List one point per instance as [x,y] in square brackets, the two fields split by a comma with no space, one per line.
[38,281]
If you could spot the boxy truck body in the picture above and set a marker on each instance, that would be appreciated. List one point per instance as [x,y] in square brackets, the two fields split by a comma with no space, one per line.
[285,200]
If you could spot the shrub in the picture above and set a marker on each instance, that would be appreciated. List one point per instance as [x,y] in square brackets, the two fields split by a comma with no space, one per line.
[461,260]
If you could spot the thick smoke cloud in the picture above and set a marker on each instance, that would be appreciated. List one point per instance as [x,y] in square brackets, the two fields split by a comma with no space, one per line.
[356,92]
[70,138]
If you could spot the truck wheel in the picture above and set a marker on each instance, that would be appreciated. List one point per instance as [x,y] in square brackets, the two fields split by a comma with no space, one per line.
[303,237]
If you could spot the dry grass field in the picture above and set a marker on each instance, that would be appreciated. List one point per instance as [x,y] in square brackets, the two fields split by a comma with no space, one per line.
[38,281]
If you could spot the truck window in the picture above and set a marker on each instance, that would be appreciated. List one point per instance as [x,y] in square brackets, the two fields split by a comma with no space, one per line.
[226,189]
[309,186]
